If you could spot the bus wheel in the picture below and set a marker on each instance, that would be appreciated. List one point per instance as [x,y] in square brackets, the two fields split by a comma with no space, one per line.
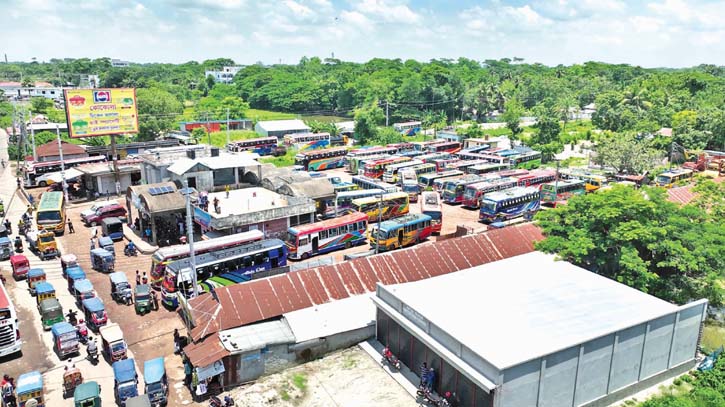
[42,184]
[305,256]
[348,245]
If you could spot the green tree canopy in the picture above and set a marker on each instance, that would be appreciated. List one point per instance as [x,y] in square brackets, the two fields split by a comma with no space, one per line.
[626,154]
[367,119]
[158,111]
[512,116]
[40,105]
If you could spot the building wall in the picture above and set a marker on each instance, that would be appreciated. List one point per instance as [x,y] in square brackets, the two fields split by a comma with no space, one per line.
[276,228]
[609,367]
[57,157]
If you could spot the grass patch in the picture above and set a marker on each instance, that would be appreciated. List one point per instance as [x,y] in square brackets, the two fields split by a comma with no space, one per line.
[299,380]
[349,362]
[258,114]
[286,160]
[713,336]
[284,394]
[219,138]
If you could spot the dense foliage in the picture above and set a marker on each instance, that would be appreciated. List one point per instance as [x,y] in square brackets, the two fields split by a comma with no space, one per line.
[638,238]
[708,390]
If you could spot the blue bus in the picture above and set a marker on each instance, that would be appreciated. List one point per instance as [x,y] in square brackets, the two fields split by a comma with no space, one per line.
[261,145]
[509,203]
[371,183]
[222,268]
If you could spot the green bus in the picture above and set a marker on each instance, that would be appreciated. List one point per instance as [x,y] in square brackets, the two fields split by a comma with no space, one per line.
[50,214]
[528,161]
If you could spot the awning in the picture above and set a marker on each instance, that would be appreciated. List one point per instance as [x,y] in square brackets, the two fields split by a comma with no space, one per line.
[205,354]
[214,369]
[70,173]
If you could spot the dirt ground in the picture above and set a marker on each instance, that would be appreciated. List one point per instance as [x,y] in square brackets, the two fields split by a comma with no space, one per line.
[345,378]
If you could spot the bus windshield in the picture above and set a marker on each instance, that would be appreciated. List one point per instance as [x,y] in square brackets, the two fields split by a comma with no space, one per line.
[663,179]
[548,187]
[292,238]
[488,206]
[49,217]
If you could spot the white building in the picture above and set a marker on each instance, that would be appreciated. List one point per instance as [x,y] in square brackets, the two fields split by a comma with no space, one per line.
[226,75]
[117,63]
[278,128]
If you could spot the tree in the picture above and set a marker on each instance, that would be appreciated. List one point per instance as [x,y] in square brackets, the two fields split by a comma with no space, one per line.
[27,83]
[158,110]
[626,154]
[547,139]
[198,134]
[322,127]
[638,238]
[387,135]
[40,105]
[512,116]
[210,82]
[367,119]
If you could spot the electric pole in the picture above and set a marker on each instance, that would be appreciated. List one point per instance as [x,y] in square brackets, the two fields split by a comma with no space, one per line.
[227,126]
[387,113]
[190,239]
[62,165]
[32,137]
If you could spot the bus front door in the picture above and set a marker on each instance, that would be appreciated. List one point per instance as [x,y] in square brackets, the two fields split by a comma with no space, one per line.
[315,244]
[400,238]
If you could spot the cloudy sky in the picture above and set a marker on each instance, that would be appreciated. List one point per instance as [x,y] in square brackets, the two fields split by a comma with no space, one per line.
[650,33]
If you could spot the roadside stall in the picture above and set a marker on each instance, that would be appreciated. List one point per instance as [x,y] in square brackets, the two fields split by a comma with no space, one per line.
[102,260]
[142,298]
[35,276]
[113,228]
[20,265]
[72,378]
[73,274]
[125,380]
[83,290]
[68,260]
[43,291]
[120,288]
[95,313]
[29,390]
[106,243]
[51,312]
[87,394]
[113,345]
[6,247]
[65,339]
[154,376]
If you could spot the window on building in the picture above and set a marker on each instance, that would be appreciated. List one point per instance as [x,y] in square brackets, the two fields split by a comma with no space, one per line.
[224,176]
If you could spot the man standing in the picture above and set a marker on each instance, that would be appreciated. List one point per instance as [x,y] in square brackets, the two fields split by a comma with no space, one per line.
[71,230]
[226,189]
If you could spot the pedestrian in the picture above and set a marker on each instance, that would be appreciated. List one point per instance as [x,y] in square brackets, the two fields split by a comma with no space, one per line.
[187,373]
[19,182]
[71,230]
[423,373]
[216,204]
[93,245]
[8,391]
[94,232]
[147,233]
[226,189]
[144,279]
[177,337]
[138,278]
[431,378]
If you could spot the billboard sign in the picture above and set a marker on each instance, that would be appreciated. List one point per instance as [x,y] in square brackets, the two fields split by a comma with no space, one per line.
[101,112]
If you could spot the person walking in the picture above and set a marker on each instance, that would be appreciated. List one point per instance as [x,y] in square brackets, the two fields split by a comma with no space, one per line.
[423,374]
[177,338]
[71,230]
[144,279]
[226,189]
[147,233]
[138,278]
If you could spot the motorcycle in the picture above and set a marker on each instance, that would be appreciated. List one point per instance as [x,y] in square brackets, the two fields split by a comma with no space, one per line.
[92,355]
[130,251]
[427,397]
[18,245]
[390,359]
[71,315]
[82,330]
[9,226]
[214,401]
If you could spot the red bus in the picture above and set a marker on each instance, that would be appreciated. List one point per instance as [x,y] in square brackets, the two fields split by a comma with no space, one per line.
[402,147]
[33,170]
[453,190]
[474,192]
[443,163]
[450,147]
[376,169]
[537,177]
[430,204]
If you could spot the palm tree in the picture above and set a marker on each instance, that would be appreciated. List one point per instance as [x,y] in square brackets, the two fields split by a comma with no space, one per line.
[636,99]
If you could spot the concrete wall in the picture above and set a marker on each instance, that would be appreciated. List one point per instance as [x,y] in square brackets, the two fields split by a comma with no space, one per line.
[608,368]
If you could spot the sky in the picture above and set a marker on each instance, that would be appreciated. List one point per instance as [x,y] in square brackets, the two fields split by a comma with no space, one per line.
[649,33]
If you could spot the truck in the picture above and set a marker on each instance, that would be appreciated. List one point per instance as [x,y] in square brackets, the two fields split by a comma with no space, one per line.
[42,243]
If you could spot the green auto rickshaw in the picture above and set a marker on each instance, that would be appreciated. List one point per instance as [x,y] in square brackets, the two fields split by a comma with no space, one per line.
[51,312]
[87,394]
[142,298]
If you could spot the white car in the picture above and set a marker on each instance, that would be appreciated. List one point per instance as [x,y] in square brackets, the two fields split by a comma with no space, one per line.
[95,207]
[44,180]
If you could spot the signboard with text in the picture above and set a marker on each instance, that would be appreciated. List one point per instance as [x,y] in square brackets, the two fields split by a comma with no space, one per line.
[101,112]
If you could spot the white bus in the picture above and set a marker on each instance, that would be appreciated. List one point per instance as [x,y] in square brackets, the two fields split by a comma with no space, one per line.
[9,328]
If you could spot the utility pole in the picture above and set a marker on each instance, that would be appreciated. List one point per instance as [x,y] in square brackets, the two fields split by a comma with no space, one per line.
[387,113]
[32,137]
[190,239]
[227,126]
[62,166]
[380,220]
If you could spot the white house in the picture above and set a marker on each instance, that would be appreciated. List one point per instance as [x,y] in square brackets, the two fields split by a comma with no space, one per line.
[226,75]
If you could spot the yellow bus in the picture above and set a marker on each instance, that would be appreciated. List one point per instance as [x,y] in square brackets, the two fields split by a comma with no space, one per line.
[50,214]
[592,182]
[400,232]
[392,205]
[668,179]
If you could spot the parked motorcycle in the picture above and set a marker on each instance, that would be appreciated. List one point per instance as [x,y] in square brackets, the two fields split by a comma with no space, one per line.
[92,352]
[215,401]
[18,244]
[390,359]
[428,397]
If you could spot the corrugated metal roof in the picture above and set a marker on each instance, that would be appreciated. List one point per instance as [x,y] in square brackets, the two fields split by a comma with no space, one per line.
[207,352]
[283,125]
[681,195]
[243,304]
[253,337]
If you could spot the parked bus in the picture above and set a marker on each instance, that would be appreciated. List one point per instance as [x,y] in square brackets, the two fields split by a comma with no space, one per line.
[409,183]
[407,128]
[50,214]
[352,159]
[32,170]
[510,203]
[343,200]
[558,192]
[307,141]
[304,241]
[402,147]
[592,182]
[364,182]
[450,147]
[427,180]
[423,145]
[486,168]
[422,169]
[430,157]
[443,163]
[430,204]
[345,186]
[261,145]
[387,207]
[479,148]
[376,169]
[400,232]
[528,160]
[164,256]
[453,190]
[491,157]
[222,268]
[668,179]
[439,183]
[463,165]
[318,160]
[474,192]
[9,327]
[392,172]
[537,177]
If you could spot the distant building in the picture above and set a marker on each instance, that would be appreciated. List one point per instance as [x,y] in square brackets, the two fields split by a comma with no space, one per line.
[15,90]
[50,152]
[89,81]
[212,126]
[117,63]
[226,75]
[278,128]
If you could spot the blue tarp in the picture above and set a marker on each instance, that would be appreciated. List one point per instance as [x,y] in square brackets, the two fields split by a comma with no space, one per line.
[124,371]
[61,328]
[102,253]
[75,273]
[5,241]
[32,273]
[118,277]
[29,382]
[93,304]
[105,241]
[83,285]
[153,370]
[44,287]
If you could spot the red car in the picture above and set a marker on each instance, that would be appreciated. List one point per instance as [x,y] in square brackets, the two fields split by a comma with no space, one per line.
[105,212]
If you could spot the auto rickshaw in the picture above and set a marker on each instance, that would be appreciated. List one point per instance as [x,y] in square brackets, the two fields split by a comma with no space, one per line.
[113,228]
[106,242]
[87,394]
[102,260]
[20,265]
[29,390]
[125,380]
[35,276]
[142,298]
[154,376]
[113,345]
[68,260]
[72,378]
[95,313]
[73,274]
[65,339]
[6,247]
[43,291]
[120,288]
[139,401]
[83,289]
[51,312]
